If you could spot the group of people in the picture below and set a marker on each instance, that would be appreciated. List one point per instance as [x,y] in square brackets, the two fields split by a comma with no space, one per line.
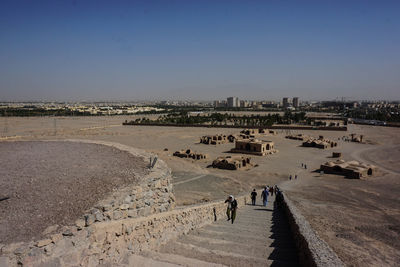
[268,190]
[232,203]
[303,165]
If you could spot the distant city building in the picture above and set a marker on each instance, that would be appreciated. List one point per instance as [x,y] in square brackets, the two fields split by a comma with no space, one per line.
[244,104]
[295,102]
[237,102]
[233,102]
[285,102]
[219,103]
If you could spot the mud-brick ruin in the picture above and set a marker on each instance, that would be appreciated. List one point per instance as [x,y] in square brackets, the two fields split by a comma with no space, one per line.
[248,133]
[266,131]
[232,163]
[350,169]
[189,154]
[254,147]
[356,138]
[252,133]
[320,143]
[216,139]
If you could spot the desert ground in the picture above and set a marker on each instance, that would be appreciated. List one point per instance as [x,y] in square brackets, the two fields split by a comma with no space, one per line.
[360,219]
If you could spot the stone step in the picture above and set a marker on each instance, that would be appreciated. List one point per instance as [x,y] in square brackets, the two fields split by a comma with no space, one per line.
[178,259]
[233,237]
[244,229]
[214,256]
[238,247]
[283,243]
[283,254]
[259,237]
[141,261]
[230,236]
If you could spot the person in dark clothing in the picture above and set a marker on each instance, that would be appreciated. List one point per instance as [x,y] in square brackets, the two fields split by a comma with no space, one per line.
[264,196]
[253,197]
[231,209]
[271,191]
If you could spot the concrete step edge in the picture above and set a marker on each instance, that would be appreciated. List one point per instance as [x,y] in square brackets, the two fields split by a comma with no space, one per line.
[178,259]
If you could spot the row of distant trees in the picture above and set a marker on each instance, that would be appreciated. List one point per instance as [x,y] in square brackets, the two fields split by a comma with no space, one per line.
[387,114]
[183,118]
[31,112]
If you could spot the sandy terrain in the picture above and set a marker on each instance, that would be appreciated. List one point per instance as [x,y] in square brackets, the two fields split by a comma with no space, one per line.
[359,218]
[53,183]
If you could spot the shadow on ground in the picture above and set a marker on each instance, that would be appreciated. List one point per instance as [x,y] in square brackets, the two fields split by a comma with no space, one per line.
[285,252]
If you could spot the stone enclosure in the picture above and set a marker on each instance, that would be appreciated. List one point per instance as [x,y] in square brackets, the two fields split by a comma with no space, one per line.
[152,195]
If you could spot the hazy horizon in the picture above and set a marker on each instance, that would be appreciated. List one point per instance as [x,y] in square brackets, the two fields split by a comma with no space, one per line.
[199,50]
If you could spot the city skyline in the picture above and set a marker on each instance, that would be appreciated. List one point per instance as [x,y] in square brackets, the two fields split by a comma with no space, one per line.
[199,51]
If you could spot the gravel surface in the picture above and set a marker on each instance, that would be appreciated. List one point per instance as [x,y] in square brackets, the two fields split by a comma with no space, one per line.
[53,183]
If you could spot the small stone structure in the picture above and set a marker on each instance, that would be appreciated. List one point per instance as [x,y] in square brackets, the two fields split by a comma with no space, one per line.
[356,138]
[232,163]
[253,133]
[250,132]
[189,154]
[350,169]
[214,139]
[254,147]
[232,138]
[272,132]
[265,131]
[318,143]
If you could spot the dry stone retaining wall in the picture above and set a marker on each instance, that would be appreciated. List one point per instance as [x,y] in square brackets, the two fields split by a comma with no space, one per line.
[151,195]
[111,242]
[313,251]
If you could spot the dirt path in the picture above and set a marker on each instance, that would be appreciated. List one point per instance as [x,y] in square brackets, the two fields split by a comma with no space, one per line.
[364,155]
[192,179]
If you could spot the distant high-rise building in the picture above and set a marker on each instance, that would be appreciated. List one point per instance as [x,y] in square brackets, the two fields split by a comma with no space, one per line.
[295,102]
[237,102]
[285,102]
[233,102]
[244,103]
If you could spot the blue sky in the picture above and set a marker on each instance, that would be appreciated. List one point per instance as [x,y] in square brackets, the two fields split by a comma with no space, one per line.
[199,50]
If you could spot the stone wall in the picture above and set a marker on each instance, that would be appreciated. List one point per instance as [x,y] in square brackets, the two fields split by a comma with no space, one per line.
[151,195]
[112,242]
[313,251]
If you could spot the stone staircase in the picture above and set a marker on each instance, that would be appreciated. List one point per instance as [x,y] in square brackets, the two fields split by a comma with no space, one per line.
[260,236]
